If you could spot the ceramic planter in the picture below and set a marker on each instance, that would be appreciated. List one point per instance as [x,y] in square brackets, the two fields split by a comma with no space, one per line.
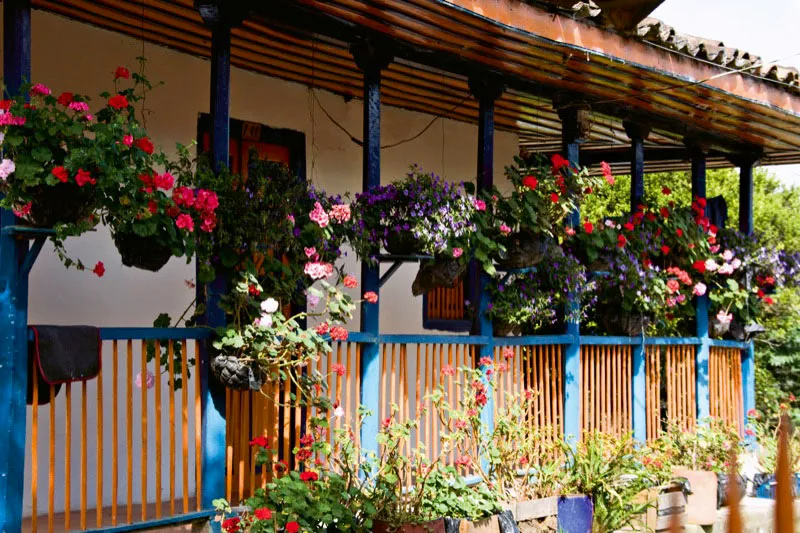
[563,514]
[63,203]
[145,253]
[701,505]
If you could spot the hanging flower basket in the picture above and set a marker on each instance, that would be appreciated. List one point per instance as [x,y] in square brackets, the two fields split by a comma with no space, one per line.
[145,253]
[501,328]
[621,323]
[402,243]
[524,250]
[63,203]
[717,328]
[235,374]
[439,273]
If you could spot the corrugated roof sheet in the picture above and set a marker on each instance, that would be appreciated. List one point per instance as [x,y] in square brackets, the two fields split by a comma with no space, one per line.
[657,32]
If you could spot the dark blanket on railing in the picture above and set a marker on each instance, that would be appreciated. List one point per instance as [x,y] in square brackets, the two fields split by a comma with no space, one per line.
[62,354]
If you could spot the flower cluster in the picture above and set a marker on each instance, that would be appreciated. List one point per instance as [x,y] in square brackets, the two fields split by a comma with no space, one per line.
[422,211]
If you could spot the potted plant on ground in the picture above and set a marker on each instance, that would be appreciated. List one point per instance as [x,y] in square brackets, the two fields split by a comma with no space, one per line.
[421,214]
[766,433]
[701,456]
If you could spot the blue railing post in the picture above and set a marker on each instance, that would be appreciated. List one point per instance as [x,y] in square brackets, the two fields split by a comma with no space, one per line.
[212,392]
[486,91]
[13,295]
[746,163]
[372,57]
[574,128]
[637,134]
[698,156]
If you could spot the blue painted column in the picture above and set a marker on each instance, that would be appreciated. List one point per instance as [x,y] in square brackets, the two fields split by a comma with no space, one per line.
[371,57]
[212,392]
[486,91]
[637,134]
[698,156]
[574,127]
[746,163]
[13,295]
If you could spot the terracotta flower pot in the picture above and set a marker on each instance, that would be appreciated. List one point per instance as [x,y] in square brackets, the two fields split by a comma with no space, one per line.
[63,203]
[145,253]
[437,526]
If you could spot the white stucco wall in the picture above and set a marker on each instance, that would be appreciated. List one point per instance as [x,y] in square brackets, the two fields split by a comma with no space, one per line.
[79,58]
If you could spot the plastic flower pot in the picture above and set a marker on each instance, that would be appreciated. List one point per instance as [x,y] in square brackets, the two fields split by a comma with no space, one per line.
[765,485]
[437,526]
[145,253]
[722,489]
[63,203]
[438,273]
[402,243]
[235,374]
[524,250]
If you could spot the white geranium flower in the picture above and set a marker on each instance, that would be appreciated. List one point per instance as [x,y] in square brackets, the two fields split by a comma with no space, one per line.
[270,305]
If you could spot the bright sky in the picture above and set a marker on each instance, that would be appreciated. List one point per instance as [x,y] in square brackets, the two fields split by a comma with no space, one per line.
[768,28]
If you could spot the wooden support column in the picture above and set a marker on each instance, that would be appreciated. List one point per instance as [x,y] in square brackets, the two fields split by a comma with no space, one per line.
[13,294]
[212,393]
[698,153]
[575,127]
[486,91]
[638,134]
[746,162]
[372,56]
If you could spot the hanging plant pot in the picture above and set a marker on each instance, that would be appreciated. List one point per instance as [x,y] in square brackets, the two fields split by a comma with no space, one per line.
[439,273]
[402,243]
[524,250]
[141,252]
[502,328]
[234,373]
[717,328]
[63,203]
[619,322]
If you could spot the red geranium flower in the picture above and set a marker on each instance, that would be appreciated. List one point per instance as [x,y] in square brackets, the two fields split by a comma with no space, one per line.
[350,281]
[606,169]
[99,269]
[558,162]
[679,232]
[588,227]
[339,369]
[699,265]
[309,476]
[371,297]
[292,527]
[628,226]
[554,197]
[60,173]
[666,191]
[231,525]
[263,513]
[122,72]
[621,241]
[118,101]
[145,145]
[664,212]
[65,99]
[665,249]
[260,441]
[530,182]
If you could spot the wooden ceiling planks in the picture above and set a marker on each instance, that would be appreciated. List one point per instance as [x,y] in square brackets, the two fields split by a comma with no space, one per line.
[294,54]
